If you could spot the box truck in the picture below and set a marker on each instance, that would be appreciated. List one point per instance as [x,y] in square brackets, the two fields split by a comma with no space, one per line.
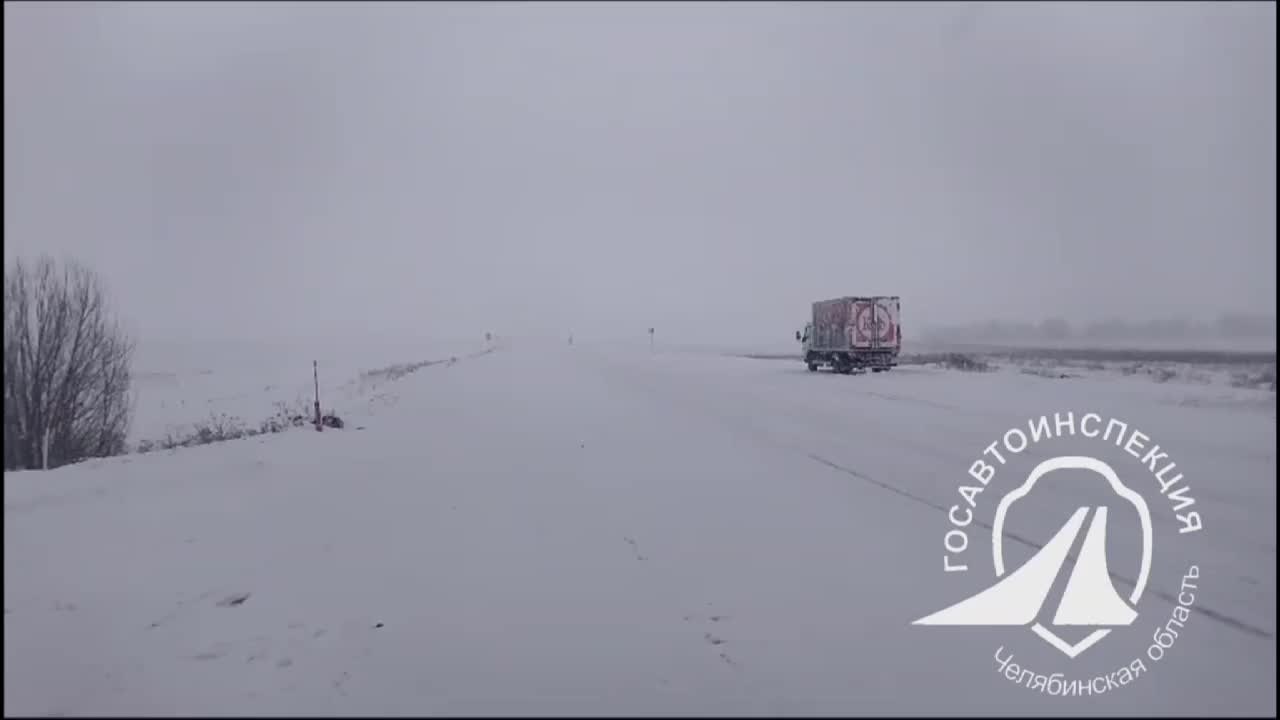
[853,334]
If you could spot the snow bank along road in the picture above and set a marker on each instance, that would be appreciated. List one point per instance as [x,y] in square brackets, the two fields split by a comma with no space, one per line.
[597,530]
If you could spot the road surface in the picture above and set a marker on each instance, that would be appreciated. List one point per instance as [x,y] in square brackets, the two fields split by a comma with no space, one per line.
[581,530]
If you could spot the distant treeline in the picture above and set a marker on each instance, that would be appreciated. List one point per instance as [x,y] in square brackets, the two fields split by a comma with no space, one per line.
[1226,326]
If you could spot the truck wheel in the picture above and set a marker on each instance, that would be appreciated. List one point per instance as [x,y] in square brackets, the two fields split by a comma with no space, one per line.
[813,367]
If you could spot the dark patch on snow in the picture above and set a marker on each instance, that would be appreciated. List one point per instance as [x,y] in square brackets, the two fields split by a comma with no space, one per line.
[635,548]
[337,684]
[700,618]
[1051,374]
[212,653]
[233,600]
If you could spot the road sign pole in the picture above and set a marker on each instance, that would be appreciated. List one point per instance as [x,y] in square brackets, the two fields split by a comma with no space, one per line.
[315,369]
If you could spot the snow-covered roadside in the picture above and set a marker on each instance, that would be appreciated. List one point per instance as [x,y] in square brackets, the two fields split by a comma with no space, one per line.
[177,388]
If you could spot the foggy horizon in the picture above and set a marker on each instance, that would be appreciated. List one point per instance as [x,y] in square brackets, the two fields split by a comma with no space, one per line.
[260,170]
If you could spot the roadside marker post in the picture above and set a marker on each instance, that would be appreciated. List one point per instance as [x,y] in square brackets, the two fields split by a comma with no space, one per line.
[315,369]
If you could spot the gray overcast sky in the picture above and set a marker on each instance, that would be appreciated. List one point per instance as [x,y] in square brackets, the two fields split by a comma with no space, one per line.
[255,169]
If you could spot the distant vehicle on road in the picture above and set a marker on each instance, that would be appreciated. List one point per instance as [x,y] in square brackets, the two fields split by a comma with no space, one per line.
[853,334]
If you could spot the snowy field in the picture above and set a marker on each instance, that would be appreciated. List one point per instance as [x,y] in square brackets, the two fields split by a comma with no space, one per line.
[599,529]
[177,385]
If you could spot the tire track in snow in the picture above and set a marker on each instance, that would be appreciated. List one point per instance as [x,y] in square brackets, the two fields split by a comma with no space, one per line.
[762,434]
[744,424]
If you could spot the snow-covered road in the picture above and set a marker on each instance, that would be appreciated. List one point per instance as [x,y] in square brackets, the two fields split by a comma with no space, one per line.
[553,529]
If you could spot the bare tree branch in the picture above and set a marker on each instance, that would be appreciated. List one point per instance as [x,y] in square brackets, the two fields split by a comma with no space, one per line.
[66,366]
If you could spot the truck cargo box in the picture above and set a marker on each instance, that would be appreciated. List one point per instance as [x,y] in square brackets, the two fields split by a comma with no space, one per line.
[857,324]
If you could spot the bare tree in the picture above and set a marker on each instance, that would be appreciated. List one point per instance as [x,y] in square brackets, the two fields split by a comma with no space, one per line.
[66,367]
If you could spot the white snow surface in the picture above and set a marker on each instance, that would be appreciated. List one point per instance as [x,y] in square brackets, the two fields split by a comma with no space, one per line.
[549,529]
[178,385]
